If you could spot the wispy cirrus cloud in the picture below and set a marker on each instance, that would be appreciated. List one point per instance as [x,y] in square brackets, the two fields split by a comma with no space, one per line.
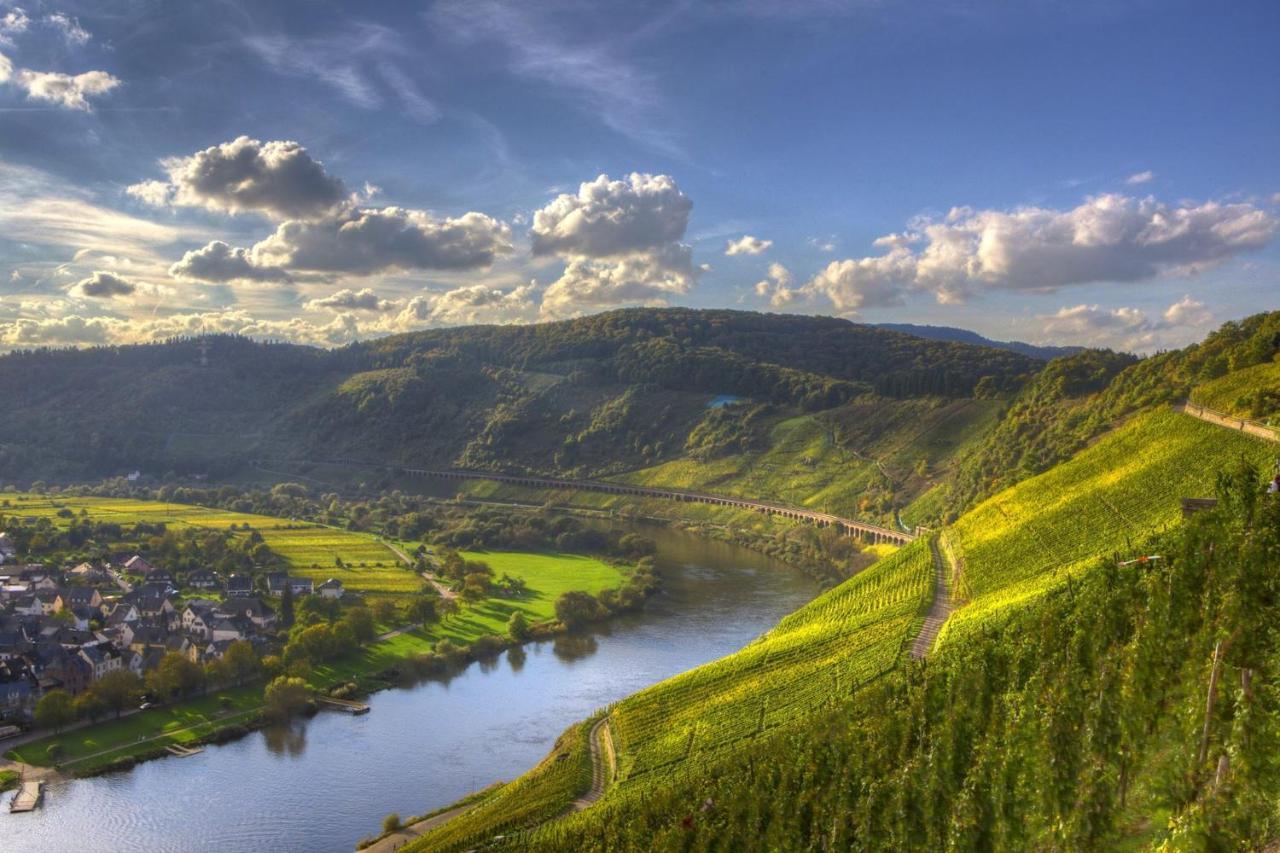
[362,62]
[623,96]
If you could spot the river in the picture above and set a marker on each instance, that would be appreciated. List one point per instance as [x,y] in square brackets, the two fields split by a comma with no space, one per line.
[323,784]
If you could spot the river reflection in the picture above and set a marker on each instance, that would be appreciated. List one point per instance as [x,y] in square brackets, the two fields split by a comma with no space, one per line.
[324,783]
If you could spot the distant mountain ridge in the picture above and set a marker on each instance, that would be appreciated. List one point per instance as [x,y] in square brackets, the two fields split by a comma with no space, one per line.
[964,336]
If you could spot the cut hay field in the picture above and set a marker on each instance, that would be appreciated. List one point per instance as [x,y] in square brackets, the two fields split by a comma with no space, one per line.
[311,550]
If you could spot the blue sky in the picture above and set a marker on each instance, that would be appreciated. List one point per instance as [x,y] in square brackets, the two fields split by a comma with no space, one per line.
[1102,173]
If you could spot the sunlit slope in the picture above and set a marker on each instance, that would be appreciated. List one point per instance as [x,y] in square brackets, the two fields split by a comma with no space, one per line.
[1029,537]
[813,659]
[836,643]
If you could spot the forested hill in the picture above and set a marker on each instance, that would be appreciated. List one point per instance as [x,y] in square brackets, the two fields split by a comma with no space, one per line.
[604,393]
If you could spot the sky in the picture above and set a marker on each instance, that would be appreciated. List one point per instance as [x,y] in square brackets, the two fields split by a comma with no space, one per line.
[1098,172]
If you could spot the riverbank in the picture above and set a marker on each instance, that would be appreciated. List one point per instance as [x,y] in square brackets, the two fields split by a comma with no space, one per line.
[438,650]
[326,782]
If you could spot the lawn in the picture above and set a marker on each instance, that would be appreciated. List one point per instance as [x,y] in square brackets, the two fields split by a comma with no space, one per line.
[84,749]
[311,550]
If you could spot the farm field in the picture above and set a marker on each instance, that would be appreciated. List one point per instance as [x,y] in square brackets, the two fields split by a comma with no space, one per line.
[1031,537]
[311,550]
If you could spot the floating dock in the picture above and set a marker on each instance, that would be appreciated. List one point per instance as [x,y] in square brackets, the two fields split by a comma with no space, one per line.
[28,797]
[346,705]
[182,751]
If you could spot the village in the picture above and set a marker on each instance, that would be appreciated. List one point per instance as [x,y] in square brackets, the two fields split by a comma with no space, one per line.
[69,629]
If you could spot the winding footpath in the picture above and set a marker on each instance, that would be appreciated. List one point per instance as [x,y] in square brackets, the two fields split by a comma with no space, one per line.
[603,764]
[940,609]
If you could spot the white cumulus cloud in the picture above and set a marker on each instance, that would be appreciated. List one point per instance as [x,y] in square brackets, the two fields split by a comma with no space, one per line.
[1141,177]
[279,179]
[368,241]
[352,300]
[219,263]
[1107,238]
[747,245]
[71,91]
[621,243]
[1127,328]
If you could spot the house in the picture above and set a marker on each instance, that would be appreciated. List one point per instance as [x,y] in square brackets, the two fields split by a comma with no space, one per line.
[138,566]
[48,599]
[38,578]
[158,576]
[57,667]
[197,618]
[216,649]
[332,588]
[202,579]
[141,636]
[102,658]
[77,596]
[82,616]
[122,613]
[19,689]
[238,585]
[152,604]
[251,608]
[136,662]
[231,628]
[276,582]
[7,549]
[90,573]
[27,605]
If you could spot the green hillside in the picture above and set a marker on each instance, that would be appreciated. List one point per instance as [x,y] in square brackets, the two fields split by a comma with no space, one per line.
[587,397]
[1079,724]
[1016,552]
[859,460]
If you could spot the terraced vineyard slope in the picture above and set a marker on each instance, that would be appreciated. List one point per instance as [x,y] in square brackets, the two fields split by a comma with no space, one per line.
[815,658]
[1029,538]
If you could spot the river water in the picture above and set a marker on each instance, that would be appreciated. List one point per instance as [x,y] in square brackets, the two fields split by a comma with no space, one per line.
[323,784]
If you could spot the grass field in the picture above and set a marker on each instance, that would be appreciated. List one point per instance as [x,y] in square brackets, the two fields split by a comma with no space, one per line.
[311,550]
